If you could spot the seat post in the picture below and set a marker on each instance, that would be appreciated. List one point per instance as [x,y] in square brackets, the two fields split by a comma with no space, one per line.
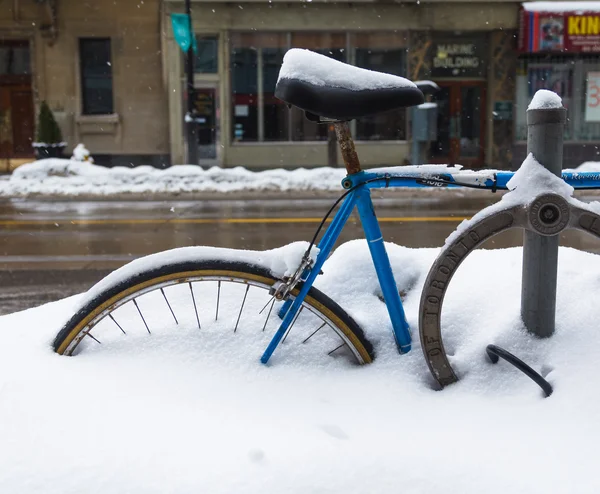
[344,138]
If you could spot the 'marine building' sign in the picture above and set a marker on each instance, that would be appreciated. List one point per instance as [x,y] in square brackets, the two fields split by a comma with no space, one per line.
[558,30]
[464,57]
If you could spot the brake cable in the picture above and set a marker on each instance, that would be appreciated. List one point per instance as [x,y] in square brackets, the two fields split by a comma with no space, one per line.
[438,180]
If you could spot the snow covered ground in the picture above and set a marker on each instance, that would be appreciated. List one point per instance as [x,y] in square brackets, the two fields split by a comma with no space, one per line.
[186,412]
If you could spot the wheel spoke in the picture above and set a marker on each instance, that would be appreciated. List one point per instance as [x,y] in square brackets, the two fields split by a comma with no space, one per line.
[272,299]
[118,325]
[195,308]
[87,333]
[336,349]
[141,315]
[269,314]
[292,325]
[218,298]
[169,305]
[315,332]
[241,308]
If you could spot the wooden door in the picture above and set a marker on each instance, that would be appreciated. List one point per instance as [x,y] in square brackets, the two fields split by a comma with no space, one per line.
[17,121]
[461,124]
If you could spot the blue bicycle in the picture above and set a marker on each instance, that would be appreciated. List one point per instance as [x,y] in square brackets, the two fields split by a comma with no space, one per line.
[247,293]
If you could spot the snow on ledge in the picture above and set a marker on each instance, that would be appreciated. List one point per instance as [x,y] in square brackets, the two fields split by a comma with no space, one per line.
[313,68]
[561,7]
[545,100]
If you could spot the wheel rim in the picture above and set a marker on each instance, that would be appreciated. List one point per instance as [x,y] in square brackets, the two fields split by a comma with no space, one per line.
[110,311]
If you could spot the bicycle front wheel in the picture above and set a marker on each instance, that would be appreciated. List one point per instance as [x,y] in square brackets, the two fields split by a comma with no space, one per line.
[212,299]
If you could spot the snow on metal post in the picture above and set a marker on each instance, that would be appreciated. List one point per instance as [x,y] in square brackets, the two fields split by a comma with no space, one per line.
[545,126]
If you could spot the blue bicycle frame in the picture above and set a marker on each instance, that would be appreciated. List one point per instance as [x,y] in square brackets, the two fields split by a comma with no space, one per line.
[360,196]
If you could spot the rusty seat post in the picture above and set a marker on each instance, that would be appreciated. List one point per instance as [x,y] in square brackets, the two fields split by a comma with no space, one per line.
[344,138]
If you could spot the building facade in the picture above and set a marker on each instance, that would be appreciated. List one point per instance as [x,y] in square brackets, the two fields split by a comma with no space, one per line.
[99,66]
[468,48]
[559,50]
[114,77]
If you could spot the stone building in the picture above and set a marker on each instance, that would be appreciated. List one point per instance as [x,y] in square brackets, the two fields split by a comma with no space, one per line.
[114,76]
[98,64]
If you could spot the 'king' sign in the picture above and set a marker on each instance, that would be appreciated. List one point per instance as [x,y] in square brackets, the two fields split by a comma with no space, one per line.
[574,31]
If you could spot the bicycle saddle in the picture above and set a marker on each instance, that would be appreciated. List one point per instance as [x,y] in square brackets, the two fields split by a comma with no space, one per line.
[324,87]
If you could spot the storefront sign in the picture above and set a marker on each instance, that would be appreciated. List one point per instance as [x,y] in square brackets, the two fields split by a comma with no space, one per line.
[503,110]
[592,102]
[558,31]
[205,105]
[458,57]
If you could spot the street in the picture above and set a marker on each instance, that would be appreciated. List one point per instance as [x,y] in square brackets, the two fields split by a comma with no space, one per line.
[54,249]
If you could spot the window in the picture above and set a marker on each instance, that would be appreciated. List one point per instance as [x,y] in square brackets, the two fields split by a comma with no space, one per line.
[96,76]
[383,52]
[244,74]
[572,77]
[206,61]
[255,61]
[332,45]
[14,58]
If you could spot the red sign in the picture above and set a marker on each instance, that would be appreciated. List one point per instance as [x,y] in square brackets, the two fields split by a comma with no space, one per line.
[559,31]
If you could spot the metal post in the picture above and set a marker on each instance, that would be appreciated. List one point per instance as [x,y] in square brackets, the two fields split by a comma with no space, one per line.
[191,126]
[545,129]
[415,145]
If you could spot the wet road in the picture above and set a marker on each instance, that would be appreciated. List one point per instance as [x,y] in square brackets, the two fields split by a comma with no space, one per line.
[52,249]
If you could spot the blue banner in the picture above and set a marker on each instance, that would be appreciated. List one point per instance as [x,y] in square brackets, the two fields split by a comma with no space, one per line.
[182,32]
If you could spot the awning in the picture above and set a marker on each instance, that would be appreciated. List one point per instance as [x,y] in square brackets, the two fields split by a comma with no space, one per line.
[559,27]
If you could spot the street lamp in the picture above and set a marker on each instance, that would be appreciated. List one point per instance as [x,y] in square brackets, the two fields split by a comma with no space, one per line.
[190,121]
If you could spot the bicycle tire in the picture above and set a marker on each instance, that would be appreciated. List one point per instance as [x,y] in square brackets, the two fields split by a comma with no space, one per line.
[111,298]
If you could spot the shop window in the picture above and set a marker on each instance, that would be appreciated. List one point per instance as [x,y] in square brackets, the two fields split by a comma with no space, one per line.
[244,83]
[332,45]
[554,75]
[383,52]
[255,62]
[14,58]
[587,125]
[575,78]
[207,61]
[275,116]
[96,76]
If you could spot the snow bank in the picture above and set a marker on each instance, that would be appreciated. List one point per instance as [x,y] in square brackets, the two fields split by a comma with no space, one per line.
[320,70]
[72,178]
[186,413]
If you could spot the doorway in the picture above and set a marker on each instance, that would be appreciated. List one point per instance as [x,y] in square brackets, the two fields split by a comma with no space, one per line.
[16,101]
[461,124]
[208,127]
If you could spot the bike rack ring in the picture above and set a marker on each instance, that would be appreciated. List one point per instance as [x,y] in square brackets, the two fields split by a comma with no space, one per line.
[548,214]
